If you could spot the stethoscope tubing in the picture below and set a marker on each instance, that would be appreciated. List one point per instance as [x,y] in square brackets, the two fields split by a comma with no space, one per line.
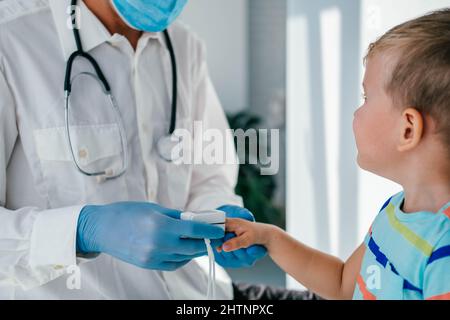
[100,77]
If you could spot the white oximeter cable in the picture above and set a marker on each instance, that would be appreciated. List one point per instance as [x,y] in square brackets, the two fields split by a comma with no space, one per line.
[215,217]
[211,292]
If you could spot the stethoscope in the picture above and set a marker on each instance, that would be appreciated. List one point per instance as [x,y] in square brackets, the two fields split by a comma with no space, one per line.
[165,144]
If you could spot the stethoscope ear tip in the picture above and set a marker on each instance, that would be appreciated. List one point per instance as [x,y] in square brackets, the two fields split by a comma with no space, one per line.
[101,179]
[108,174]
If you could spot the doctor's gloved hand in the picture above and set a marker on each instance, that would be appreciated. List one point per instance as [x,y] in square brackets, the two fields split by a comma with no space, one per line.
[143,234]
[243,257]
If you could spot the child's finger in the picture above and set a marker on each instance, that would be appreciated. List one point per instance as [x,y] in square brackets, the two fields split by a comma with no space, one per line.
[236,243]
[235,225]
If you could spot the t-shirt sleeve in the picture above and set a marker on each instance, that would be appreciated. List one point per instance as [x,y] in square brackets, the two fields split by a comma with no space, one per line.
[437,271]
[369,233]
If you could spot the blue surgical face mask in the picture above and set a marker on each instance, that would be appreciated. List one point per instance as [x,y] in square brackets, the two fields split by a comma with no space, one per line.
[149,15]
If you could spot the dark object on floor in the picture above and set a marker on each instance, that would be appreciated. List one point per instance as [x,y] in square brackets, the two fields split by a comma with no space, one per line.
[245,291]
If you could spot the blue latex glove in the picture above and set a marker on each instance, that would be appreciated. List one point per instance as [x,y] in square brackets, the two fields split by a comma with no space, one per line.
[243,257]
[143,234]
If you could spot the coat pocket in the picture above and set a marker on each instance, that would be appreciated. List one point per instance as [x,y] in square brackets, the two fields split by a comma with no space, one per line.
[96,148]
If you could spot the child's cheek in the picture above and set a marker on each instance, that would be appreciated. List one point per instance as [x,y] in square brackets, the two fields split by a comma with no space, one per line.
[357,130]
[362,141]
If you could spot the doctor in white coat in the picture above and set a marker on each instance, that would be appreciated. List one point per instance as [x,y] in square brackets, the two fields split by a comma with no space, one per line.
[117,230]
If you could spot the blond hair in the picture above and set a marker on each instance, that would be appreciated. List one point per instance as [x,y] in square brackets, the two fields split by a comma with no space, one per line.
[420,76]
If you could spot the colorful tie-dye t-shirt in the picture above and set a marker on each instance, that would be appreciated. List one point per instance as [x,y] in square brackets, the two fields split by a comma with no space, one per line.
[407,255]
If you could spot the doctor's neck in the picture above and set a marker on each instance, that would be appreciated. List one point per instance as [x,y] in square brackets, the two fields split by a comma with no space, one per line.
[111,20]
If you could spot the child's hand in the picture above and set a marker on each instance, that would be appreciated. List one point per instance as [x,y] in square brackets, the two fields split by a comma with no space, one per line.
[247,234]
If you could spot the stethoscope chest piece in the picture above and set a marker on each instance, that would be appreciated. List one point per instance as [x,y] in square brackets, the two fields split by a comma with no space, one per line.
[170,148]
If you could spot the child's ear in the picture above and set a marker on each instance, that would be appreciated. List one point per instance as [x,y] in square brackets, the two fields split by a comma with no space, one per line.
[411,130]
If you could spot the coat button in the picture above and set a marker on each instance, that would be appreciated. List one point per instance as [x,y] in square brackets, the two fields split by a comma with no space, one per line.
[82,153]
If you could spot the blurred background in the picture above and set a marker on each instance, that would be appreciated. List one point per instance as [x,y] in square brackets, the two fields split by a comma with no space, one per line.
[296,65]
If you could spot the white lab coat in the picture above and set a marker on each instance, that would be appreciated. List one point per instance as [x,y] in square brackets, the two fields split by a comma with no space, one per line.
[41,192]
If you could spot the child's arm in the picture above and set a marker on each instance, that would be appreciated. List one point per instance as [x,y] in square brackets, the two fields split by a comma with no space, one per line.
[321,273]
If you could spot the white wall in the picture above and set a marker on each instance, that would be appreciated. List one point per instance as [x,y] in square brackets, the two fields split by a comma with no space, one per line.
[323,68]
[330,201]
[223,25]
